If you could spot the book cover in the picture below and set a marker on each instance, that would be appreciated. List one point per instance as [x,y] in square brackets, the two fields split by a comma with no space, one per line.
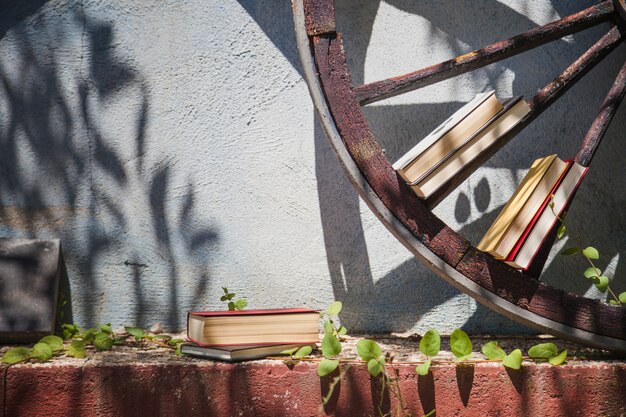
[237,353]
[447,144]
[502,223]
[441,130]
[514,110]
[530,244]
[253,327]
[535,202]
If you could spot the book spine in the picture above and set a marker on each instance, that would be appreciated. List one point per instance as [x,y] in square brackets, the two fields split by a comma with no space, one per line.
[518,245]
[569,198]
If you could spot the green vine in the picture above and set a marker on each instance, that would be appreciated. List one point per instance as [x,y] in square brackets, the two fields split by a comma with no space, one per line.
[76,341]
[590,254]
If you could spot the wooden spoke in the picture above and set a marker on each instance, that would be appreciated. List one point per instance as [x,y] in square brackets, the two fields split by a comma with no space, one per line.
[540,102]
[555,89]
[380,90]
[585,155]
[601,123]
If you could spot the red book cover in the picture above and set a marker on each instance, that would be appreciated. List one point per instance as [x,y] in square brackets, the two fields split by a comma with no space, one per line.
[509,258]
[520,241]
[226,313]
[253,312]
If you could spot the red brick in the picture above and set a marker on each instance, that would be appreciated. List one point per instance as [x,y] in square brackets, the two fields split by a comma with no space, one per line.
[201,388]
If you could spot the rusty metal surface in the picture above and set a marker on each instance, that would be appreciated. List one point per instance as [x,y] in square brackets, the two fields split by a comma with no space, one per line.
[379,90]
[601,123]
[319,16]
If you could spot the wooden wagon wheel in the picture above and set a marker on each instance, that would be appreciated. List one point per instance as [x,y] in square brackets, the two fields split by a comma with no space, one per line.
[518,296]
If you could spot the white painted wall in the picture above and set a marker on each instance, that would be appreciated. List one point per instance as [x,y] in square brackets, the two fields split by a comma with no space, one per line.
[175,150]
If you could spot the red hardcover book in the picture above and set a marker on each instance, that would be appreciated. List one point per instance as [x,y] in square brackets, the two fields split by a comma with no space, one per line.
[253,327]
[546,218]
[545,203]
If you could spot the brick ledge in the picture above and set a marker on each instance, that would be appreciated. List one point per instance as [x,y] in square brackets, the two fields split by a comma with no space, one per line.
[130,382]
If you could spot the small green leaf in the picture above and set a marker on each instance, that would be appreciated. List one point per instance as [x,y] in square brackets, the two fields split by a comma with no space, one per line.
[543,350]
[289,351]
[240,304]
[89,334]
[178,352]
[334,308]
[231,306]
[119,340]
[303,351]
[561,231]
[76,349]
[424,368]
[463,358]
[327,366]
[460,343]
[331,347]
[375,366]
[55,342]
[613,303]
[551,204]
[513,360]
[162,337]
[137,332]
[329,327]
[106,328]
[592,272]
[601,283]
[342,331]
[42,352]
[571,251]
[557,360]
[69,331]
[103,341]
[225,290]
[223,298]
[175,342]
[622,297]
[16,355]
[430,343]
[368,349]
[493,351]
[591,252]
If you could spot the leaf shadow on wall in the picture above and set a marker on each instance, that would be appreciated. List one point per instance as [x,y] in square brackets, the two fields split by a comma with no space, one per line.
[66,172]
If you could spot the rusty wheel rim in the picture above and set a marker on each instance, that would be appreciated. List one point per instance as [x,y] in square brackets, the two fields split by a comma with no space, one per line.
[492,283]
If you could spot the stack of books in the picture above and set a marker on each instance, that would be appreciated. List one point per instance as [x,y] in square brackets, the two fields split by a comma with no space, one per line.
[249,334]
[469,132]
[526,220]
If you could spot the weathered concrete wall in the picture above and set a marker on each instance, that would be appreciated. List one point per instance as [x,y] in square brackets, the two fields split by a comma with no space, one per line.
[174,149]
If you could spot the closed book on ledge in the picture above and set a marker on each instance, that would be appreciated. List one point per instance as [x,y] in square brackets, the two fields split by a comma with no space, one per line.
[237,352]
[254,327]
